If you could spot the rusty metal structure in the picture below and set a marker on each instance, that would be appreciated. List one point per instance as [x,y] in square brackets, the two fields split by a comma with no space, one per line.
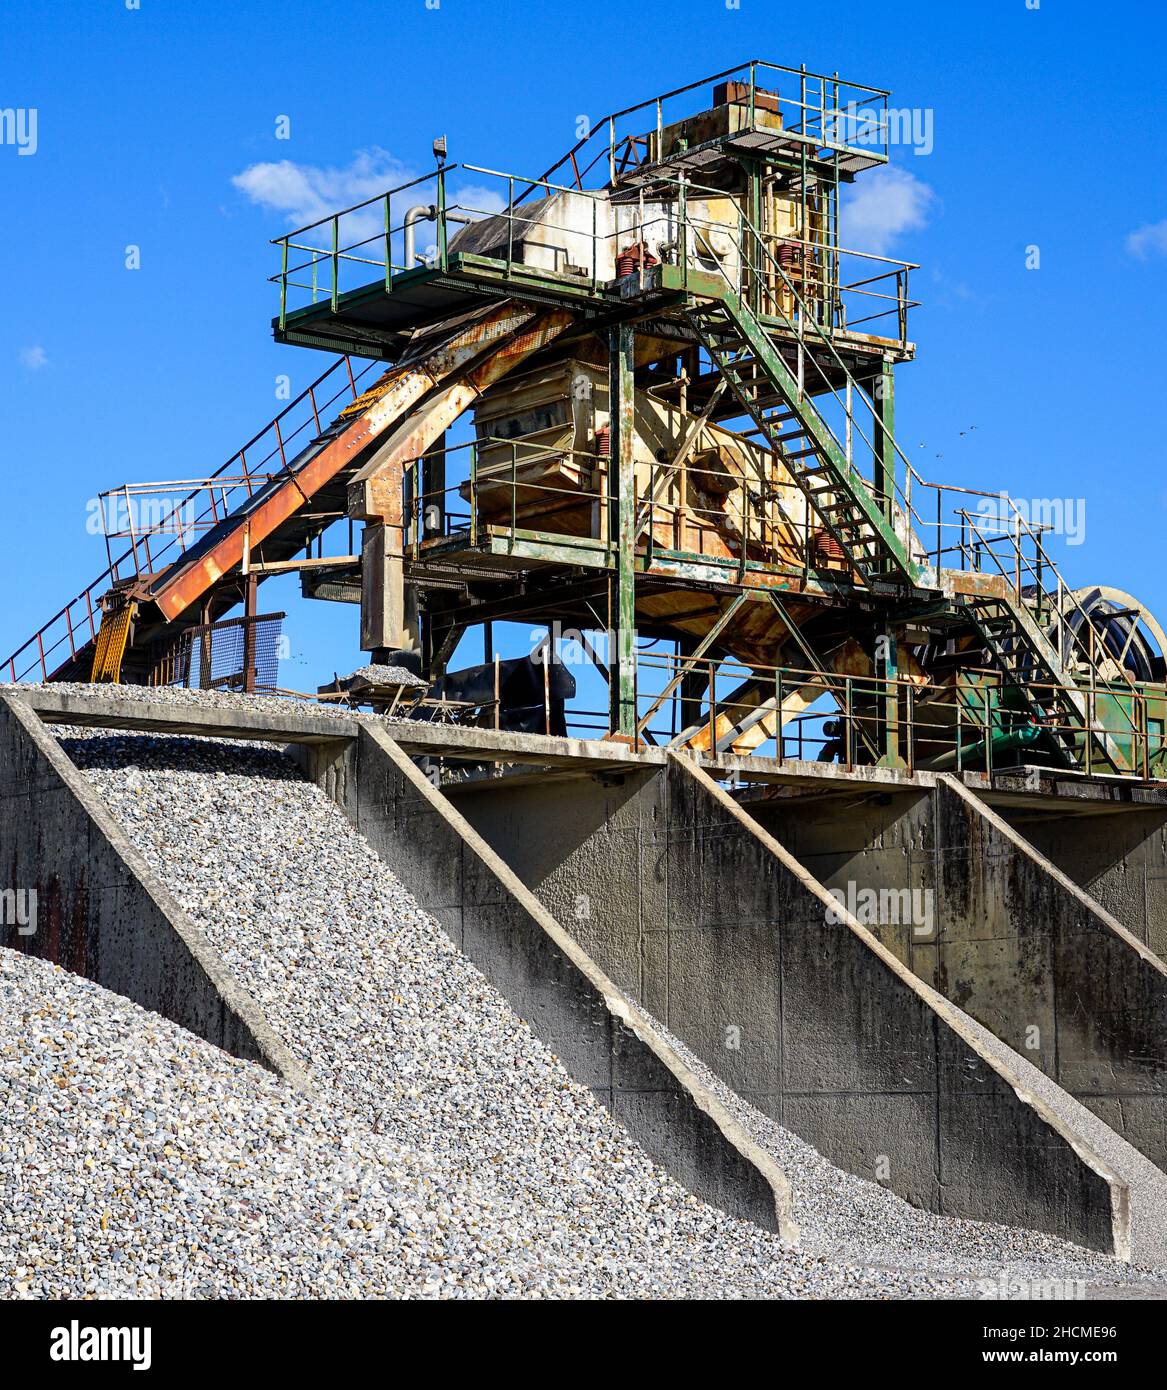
[682,393]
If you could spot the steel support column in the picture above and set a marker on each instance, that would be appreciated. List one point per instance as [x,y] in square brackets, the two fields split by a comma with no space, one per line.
[883,395]
[622,525]
[887,698]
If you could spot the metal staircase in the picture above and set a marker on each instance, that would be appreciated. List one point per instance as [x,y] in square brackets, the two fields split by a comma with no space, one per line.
[1031,668]
[768,390]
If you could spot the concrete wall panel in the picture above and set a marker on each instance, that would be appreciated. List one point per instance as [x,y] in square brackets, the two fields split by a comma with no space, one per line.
[811,1020]
[101,911]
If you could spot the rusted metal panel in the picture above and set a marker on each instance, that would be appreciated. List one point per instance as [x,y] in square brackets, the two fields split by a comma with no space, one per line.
[174,593]
[375,492]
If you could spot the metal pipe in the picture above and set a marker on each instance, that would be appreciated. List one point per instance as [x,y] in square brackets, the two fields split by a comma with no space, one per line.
[420,212]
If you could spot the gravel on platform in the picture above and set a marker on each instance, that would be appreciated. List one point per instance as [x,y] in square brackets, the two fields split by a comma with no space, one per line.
[222,699]
[388,675]
[447,1151]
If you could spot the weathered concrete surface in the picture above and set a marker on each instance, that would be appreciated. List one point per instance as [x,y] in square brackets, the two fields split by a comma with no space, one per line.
[297,721]
[602,1038]
[1026,951]
[101,911]
[1007,936]
[690,906]
[1118,856]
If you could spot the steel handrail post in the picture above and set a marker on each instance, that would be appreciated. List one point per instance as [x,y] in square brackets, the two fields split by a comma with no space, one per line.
[388,248]
[284,287]
[443,246]
[335,263]
[511,221]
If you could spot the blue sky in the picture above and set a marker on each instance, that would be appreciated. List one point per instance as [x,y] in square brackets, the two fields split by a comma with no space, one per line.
[151,123]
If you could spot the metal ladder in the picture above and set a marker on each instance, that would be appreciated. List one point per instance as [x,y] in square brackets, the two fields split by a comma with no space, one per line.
[1032,669]
[769,392]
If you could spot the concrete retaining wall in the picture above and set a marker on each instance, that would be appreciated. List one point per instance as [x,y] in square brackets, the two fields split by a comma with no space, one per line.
[1028,953]
[603,1040]
[1012,939]
[1118,857]
[689,905]
[101,911]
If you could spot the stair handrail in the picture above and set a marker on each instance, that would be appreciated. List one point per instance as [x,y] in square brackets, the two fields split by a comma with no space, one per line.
[1063,595]
[110,575]
[1064,679]
[798,329]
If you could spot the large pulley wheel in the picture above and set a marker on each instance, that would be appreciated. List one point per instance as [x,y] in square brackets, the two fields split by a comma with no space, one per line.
[1111,630]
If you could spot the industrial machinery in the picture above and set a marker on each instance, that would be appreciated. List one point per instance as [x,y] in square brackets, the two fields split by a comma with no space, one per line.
[677,394]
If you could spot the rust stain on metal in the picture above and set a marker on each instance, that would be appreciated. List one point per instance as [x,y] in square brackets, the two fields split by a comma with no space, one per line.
[175,593]
[375,493]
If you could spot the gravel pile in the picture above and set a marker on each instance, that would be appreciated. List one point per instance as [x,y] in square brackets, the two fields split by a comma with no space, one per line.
[841,1216]
[447,1152]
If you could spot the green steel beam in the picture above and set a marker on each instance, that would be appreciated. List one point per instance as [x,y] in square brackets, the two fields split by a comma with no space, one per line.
[622,524]
[887,670]
[781,376]
[884,399]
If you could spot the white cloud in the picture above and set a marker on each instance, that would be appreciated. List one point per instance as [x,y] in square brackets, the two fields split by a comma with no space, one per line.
[1148,241]
[305,193]
[478,200]
[34,358]
[884,204]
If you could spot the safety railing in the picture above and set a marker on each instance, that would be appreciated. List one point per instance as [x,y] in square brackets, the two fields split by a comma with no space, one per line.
[241,654]
[1000,539]
[374,243]
[714,705]
[748,521]
[161,542]
[162,520]
[760,531]
[827,115]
